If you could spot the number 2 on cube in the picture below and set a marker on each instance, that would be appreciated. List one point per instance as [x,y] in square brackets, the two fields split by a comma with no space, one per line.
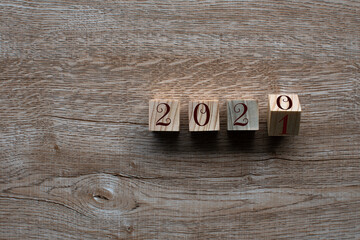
[164,115]
[243,115]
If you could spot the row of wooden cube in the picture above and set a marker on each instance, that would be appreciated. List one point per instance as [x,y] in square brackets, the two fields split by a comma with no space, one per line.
[242,115]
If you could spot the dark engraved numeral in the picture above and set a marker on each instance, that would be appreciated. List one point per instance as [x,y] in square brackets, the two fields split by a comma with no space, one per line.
[160,109]
[288,99]
[204,110]
[285,119]
[237,110]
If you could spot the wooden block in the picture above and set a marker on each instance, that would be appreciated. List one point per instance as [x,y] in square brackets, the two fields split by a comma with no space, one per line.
[204,115]
[164,115]
[242,115]
[284,115]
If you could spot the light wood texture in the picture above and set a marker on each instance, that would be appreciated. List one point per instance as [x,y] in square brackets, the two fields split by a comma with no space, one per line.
[77,159]
[164,115]
[242,115]
[284,115]
[204,116]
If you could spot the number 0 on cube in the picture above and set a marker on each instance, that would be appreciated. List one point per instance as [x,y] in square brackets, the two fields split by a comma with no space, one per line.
[204,115]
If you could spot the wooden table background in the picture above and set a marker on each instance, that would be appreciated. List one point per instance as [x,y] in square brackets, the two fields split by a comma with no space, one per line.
[77,160]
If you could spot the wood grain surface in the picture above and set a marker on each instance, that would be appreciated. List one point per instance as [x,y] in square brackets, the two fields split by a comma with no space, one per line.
[77,159]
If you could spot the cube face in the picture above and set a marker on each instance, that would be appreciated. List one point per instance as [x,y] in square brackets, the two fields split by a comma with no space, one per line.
[284,115]
[242,115]
[284,102]
[284,123]
[204,116]
[164,115]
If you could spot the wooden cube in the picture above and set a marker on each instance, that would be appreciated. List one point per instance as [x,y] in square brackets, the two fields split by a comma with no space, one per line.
[164,115]
[204,115]
[242,115]
[284,115]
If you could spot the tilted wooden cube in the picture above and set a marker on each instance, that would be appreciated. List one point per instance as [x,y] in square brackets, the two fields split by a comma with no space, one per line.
[164,115]
[242,115]
[284,115]
[204,115]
